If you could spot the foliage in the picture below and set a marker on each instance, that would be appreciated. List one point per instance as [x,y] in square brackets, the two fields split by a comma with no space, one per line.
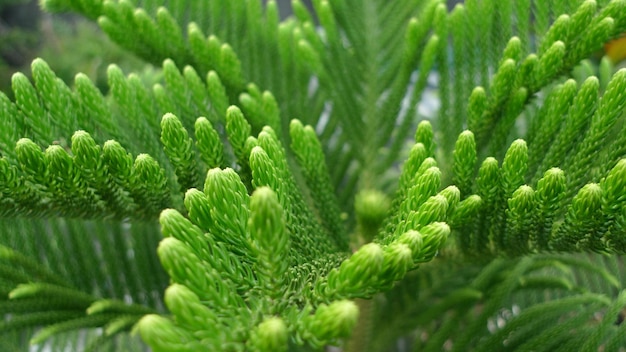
[199,214]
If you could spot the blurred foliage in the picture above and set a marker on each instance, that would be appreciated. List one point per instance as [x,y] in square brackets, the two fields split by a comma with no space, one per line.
[5,3]
[19,37]
[15,46]
[79,46]
[69,44]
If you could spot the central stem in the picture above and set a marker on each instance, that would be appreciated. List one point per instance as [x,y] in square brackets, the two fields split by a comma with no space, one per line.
[371,207]
[362,332]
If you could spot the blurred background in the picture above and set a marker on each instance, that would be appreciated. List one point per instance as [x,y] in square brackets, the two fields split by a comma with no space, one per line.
[68,43]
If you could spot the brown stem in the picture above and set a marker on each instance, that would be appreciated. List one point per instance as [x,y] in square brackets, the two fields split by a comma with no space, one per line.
[360,339]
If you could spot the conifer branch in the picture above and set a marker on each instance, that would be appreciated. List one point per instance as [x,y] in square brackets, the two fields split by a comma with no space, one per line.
[273,229]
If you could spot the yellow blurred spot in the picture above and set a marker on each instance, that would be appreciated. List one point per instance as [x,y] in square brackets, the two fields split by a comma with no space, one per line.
[616,49]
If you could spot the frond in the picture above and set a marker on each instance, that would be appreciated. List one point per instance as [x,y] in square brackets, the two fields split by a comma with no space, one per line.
[543,303]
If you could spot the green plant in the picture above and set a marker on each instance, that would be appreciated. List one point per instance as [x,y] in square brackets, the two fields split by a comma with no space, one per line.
[280,234]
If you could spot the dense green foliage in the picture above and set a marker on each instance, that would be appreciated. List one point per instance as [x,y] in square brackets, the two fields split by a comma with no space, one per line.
[280,189]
